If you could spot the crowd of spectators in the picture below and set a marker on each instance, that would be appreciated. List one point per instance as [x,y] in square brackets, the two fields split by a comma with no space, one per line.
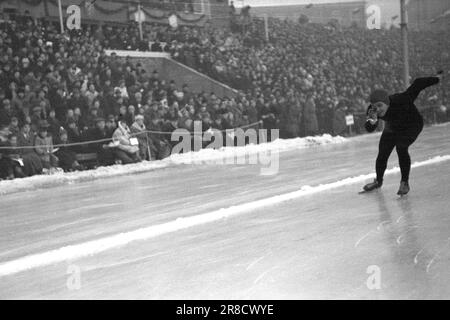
[63,88]
[58,89]
[322,72]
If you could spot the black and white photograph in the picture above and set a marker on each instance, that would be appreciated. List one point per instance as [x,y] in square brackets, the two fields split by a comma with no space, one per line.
[237,152]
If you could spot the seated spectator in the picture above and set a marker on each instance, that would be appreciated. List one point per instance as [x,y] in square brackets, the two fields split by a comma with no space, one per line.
[161,147]
[44,146]
[73,132]
[138,130]
[110,125]
[9,168]
[32,162]
[17,161]
[170,125]
[66,155]
[126,151]
[100,132]
[14,126]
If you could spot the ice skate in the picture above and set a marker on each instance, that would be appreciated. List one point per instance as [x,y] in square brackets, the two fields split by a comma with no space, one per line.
[372,186]
[404,188]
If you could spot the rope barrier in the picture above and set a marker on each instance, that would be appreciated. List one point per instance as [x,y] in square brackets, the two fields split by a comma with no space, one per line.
[111,139]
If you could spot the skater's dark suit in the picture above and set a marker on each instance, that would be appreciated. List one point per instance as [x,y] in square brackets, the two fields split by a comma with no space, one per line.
[403,124]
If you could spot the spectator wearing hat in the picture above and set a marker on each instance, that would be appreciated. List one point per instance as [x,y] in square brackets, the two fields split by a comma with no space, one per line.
[58,102]
[74,133]
[66,154]
[6,112]
[17,161]
[111,125]
[310,123]
[14,126]
[130,115]
[100,132]
[92,118]
[160,147]
[6,163]
[91,94]
[79,119]
[44,146]
[17,104]
[42,101]
[138,130]
[28,98]
[32,162]
[125,150]
[76,100]
[35,118]
[54,124]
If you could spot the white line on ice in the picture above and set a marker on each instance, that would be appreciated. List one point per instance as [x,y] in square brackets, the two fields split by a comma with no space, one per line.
[262,275]
[382,223]
[362,238]
[254,262]
[400,237]
[400,218]
[100,245]
[437,255]
[416,258]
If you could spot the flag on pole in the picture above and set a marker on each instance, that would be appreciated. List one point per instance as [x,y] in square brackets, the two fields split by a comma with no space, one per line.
[394,17]
[354,11]
[309,6]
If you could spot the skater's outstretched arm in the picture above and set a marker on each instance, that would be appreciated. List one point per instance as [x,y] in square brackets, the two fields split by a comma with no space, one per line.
[419,84]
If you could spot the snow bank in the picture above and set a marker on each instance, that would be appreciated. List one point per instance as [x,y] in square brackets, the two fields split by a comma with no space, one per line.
[202,156]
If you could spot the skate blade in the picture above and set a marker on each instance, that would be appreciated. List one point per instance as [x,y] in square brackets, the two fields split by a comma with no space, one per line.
[366,191]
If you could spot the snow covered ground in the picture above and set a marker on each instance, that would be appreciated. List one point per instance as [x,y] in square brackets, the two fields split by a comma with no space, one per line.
[228,231]
[196,158]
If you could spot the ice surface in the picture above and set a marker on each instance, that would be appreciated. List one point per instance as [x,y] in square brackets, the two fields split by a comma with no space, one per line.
[319,245]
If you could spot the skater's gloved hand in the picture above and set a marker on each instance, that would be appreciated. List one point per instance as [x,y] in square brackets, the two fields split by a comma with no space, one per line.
[439,74]
[372,116]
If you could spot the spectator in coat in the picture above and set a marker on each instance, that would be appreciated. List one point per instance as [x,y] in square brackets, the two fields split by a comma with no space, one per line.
[14,126]
[310,123]
[6,163]
[44,146]
[6,112]
[66,155]
[32,162]
[138,130]
[126,151]
[105,154]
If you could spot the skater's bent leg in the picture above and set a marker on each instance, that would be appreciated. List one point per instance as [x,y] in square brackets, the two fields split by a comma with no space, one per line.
[404,160]
[387,144]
